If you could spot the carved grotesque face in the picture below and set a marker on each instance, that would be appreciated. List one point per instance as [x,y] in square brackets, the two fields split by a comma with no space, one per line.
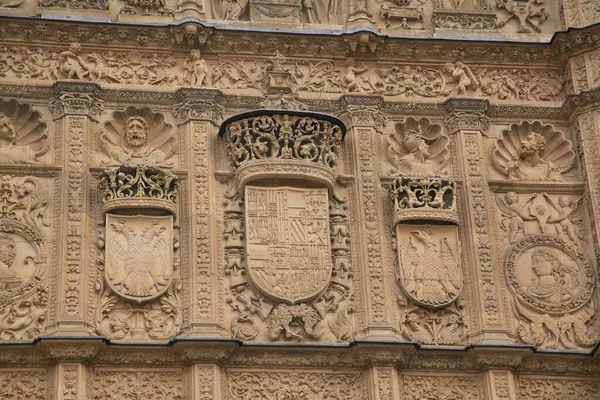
[195,54]
[533,143]
[7,249]
[136,132]
[7,130]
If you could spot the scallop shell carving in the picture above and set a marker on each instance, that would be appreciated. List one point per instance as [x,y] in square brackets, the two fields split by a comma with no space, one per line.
[161,142]
[418,148]
[29,128]
[557,156]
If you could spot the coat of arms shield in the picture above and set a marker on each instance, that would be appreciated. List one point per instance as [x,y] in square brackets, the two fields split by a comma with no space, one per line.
[287,243]
[139,255]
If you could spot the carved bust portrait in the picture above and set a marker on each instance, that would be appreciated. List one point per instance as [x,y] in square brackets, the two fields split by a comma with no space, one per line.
[138,137]
[533,152]
[7,257]
[26,141]
[418,148]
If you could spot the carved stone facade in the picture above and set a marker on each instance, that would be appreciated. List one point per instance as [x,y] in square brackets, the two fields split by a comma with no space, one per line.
[300,199]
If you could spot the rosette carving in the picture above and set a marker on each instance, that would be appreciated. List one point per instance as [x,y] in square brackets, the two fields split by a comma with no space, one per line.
[533,152]
[418,148]
[139,186]
[287,144]
[22,133]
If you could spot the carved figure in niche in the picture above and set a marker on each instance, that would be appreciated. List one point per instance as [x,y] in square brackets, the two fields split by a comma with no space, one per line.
[138,136]
[533,152]
[418,148]
[27,140]
[11,3]
[307,6]
[230,10]
[139,257]
[196,69]
[71,64]
[429,272]
[350,79]
[463,76]
[515,213]
[553,281]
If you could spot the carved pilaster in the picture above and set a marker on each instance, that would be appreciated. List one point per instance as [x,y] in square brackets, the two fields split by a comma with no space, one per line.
[206,380]
[500,385]
[70,381]
[197,116]
[467,120]
[77,105]
[383,383]
[364,121]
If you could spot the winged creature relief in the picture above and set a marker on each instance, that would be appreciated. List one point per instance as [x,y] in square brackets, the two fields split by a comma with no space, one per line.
[138,136]
[533,152]
[22,135]
[418,148]
[429,271]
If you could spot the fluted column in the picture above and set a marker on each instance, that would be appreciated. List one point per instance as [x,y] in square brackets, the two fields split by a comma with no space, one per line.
[467,120]
[74,107]
[198,116]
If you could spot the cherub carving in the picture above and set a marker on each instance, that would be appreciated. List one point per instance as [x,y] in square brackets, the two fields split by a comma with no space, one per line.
[350,79]
[138,136]
[463,76]
[515,213]
[196,70]
[71,64]
[567,220]
[418,148]
[533,152]
[27,140]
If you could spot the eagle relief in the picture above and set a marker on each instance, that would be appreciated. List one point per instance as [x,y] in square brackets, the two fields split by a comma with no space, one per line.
[139,255]
[288,241]
[428,259]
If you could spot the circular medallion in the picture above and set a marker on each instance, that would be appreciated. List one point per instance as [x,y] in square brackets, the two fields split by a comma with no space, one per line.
[22,259]
[549,274]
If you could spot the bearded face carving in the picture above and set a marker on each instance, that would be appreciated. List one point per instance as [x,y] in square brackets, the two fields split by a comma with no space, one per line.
[138,136]
[533,152]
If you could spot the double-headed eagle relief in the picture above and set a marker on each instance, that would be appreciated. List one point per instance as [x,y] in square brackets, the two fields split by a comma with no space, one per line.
[139,250]
[288,243]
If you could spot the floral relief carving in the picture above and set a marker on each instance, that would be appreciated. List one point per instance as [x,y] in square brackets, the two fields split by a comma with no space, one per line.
[23,257]
[441,388]
[528,13]
[533,152]
[293,385]
[138,136]
[534,388]
[86,4]
[418,148]
[32,385]
[23,136]
[138,385]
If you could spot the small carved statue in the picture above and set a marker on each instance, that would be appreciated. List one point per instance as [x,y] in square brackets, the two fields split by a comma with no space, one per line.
[463,76]
[350,79]
[10,151]
[71,64]
[564,221]
[196,69]
[530,166]
[138,137]
[231,10]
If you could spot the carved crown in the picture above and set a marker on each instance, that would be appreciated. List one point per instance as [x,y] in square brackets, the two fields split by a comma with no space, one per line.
[283,144]
[139,187]
[424,199]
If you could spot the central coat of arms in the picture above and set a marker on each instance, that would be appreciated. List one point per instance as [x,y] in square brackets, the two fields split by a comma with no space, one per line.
[139,255]
[287,243]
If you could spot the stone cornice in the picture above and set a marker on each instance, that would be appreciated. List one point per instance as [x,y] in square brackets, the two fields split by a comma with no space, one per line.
[467,114]
[185,35]
[359,354]
[76,98]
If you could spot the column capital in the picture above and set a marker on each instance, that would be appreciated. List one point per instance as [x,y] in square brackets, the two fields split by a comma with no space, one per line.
[362,110]
[198,104]
[76,98]
[467,114]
